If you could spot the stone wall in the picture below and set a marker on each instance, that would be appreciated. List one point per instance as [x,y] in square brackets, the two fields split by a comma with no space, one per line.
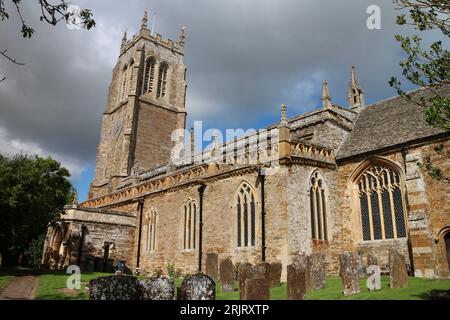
[299,217]
[219,223]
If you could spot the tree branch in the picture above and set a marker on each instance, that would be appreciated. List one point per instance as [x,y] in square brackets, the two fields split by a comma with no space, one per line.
[3,53]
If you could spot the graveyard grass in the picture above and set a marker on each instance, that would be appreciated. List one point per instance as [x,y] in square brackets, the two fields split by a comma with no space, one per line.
[4,280]
[51,286]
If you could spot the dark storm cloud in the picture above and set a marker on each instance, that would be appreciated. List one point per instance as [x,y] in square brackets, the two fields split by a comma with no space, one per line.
[244,59]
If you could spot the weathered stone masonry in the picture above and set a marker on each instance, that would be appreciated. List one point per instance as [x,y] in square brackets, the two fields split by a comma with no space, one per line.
[330,148]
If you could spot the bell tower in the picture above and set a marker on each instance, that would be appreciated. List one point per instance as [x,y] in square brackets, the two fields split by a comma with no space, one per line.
[146,103]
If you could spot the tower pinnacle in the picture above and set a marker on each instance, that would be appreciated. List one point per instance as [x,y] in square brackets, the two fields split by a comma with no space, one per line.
[355,93]
[182,36]
[326,99]
[144,24]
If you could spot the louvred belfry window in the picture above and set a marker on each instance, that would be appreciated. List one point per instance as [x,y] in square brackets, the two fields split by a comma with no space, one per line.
[318,208]
[162,81]
[381,204]
[149,75]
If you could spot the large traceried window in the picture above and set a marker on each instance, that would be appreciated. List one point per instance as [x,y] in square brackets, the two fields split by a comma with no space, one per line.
[150,243]
[318,208]
[245,217]
[381,204]
[149,75]
[162,81]
[189,220]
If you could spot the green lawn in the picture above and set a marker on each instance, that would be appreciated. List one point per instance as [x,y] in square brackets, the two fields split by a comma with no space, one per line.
[4,280]
[50,286]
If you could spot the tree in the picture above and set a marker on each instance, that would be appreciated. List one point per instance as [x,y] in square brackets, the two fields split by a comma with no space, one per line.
[51,13]
[428,68]
[33,194]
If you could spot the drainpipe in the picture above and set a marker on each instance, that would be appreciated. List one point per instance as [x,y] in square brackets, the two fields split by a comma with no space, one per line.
[141,209]
[201,192]
[80,248]
[262,177]
[409,244]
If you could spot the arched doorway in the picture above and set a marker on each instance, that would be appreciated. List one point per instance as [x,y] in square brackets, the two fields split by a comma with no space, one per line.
[447,247]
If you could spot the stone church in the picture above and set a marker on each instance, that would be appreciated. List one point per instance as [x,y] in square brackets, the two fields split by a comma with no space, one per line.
[347,179]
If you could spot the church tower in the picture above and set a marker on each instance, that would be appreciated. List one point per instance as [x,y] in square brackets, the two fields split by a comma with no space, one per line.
[355,94]
[146,103]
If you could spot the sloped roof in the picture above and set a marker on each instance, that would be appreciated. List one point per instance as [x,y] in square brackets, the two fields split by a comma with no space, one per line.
[388,123]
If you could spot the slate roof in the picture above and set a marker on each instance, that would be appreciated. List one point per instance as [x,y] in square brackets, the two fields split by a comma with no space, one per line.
[389,123]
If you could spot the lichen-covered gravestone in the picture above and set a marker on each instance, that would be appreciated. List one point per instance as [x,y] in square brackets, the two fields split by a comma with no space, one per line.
[198,287]
[115,288]
[398,272]
[256,289]
[159,288]
[226,275]
[296,281]
[275,274]
[371,260]
[349,273]
[304,262]
[261,271]
[212,265]
[244,271]
[318,277]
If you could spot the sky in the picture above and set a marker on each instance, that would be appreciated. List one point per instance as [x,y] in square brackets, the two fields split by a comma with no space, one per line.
[244,57]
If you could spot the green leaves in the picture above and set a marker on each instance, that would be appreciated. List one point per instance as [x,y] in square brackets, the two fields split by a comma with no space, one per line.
[33,194]
[51,13]
[427,68]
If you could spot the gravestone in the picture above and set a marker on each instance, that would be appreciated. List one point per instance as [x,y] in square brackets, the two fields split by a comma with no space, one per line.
[212,265]
[318,277]
[304,261]
[244,272]
[115,288]
[256,289]
[198,287]
[261,271]
[349,273]
[159,288]
[275,274]
[371,260]
[296,282]
[226,275]
[398,272]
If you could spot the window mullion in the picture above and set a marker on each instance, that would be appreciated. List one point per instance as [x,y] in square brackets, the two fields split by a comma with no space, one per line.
[372,236]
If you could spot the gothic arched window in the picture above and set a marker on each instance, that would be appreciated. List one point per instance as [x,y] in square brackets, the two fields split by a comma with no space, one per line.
[149,75]
[189,222]
[381,204]
[162,81]
[245,216]
[318,208]
[150,243]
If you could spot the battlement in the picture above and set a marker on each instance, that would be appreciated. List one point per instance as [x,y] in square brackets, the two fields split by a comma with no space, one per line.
[156,38]
[169,44]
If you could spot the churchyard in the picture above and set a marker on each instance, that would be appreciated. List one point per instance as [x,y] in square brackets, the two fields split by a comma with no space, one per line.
[306,280]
